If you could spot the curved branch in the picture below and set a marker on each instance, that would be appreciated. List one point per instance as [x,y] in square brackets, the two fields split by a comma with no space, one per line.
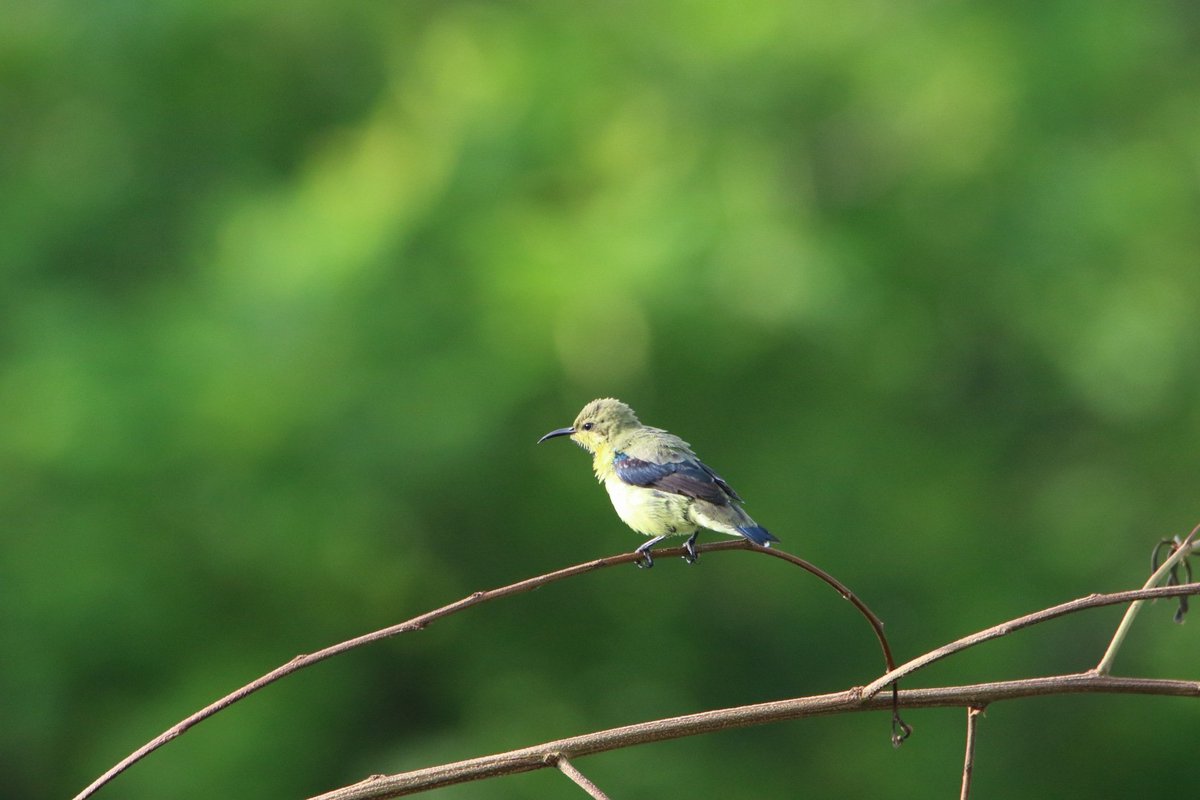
[421,621]
[1005,628]
[900,729]
[531,758]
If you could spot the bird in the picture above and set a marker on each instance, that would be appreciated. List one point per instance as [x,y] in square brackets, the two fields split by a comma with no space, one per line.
[656,483]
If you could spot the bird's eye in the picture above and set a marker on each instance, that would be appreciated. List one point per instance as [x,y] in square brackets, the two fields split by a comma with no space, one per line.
[587,426]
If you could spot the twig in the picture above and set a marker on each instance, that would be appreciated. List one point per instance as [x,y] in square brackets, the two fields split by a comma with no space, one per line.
[419,622]
[1181,552]
[973,713]
[414,624]
[1005,628]
[900,729]
[567,768]
[531,758]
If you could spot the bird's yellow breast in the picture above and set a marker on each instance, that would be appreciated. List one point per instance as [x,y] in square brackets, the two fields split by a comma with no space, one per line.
[602,463]
[649,511]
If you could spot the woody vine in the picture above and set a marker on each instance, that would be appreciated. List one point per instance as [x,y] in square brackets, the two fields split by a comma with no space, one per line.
[1173,571]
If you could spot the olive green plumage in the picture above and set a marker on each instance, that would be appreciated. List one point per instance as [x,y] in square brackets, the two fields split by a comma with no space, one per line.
[656,483]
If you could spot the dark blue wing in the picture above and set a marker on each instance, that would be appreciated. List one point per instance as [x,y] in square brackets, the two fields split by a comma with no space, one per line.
[689,478]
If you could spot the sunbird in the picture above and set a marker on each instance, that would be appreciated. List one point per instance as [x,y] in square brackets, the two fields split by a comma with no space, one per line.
[657,485]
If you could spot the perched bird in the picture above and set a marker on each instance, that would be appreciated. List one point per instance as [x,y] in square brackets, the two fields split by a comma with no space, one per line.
[657,485]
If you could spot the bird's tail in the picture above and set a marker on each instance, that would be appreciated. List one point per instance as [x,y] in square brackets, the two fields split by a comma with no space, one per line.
[757,534]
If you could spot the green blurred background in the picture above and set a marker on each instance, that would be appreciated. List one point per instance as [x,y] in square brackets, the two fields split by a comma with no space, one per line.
[289,290]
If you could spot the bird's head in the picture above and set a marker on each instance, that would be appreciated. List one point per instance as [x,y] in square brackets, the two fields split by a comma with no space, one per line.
[599,424]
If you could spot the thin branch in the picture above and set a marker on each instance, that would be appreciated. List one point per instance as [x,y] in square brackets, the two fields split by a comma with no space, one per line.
[1181,552]
[900,729]
[973,713]
[567,768]
[531,758]
[419,622]
[414,624]
[1005,628]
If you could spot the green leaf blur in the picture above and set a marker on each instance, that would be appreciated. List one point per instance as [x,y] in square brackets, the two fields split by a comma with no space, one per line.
[289,290]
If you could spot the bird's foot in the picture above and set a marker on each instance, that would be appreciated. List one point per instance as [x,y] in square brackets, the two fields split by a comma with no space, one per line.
[689,549]
[647,561]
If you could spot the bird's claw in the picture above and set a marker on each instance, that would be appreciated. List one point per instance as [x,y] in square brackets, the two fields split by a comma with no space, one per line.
[689,550]
[644,552]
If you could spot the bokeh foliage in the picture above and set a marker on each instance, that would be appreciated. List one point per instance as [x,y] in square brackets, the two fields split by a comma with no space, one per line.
[288,291]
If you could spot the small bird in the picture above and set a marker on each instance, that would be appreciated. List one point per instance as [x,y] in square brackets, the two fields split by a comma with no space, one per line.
[657,485]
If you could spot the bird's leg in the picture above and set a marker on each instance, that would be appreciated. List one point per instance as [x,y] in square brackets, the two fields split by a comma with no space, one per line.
[689,549]
[644,551]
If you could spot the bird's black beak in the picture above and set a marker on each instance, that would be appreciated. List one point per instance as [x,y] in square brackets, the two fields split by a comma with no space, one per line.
[559,432]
